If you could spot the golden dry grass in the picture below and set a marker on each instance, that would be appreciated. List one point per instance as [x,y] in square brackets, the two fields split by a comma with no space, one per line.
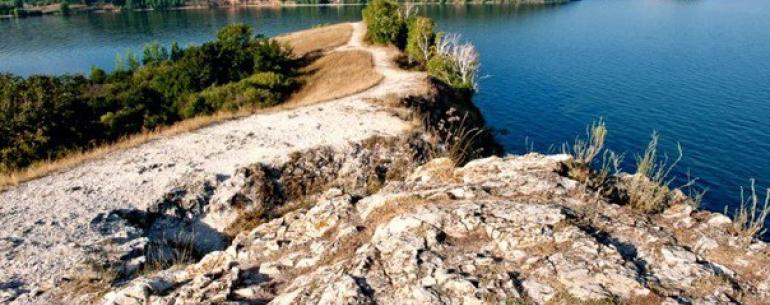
[336,75]
[317,39]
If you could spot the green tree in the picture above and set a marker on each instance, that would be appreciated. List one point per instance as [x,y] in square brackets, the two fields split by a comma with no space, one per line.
[234,36]
[43,117]
[176,51]
[97,75]
[154,53]
[383,21]
[120,66]
[132,61]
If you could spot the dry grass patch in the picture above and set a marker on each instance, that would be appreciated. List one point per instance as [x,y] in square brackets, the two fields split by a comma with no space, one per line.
[318,39]
[749,218]
[336,75]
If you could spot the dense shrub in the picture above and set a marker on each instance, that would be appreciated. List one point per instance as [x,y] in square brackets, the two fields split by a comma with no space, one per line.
[44,117]
[41,116]
[420,39]
[260,89]
[383,22]
[454,63]
[154,53]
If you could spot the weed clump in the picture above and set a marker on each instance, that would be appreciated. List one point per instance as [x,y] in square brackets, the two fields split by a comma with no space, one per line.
[648,189]
[749,219]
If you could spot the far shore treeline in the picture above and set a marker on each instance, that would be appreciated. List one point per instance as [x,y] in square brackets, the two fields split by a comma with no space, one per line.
[47,117]
[21,8]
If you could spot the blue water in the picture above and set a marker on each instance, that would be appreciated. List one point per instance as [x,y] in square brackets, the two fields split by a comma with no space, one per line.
[696,71]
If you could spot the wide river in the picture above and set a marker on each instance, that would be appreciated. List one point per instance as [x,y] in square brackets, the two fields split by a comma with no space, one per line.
[696,71]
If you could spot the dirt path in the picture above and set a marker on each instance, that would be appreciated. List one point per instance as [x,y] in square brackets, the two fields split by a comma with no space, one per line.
[45,222]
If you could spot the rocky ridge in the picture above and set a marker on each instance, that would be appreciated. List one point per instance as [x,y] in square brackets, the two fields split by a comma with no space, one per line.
[506,230]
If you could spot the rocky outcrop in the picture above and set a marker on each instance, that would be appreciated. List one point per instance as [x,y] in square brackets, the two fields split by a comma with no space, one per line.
[496,231]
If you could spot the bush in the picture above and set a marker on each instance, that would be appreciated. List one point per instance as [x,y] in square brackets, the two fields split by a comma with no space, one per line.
[41,116]
[453,63]
[154,53]
[420,39]
[260,90]
[97,75]
[234,36]
[749,218]
[383,22]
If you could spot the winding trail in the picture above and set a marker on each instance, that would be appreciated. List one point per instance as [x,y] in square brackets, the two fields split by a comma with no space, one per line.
[45,222]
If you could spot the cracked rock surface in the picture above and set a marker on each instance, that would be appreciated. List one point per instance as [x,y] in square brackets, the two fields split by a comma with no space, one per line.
[496,231]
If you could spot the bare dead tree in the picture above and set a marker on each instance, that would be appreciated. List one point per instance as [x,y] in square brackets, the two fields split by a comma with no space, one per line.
[446,44]
[424,45]
[407,10]
[463,57]
[467,60]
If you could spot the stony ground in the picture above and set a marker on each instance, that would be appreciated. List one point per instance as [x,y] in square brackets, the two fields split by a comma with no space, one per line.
[47,223]
[496,231]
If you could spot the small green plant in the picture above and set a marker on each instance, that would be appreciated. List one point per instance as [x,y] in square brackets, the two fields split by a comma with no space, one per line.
[259,90]
[749,218]
[383,21]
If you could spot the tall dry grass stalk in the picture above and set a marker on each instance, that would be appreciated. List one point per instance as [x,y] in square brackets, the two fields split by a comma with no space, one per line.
[648,190]
[584,151]
[749,219]
[455,139]
[407,10]
[695,194]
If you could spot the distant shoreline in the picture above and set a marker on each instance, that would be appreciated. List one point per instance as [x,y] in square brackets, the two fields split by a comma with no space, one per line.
[76,9]
[42,11]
